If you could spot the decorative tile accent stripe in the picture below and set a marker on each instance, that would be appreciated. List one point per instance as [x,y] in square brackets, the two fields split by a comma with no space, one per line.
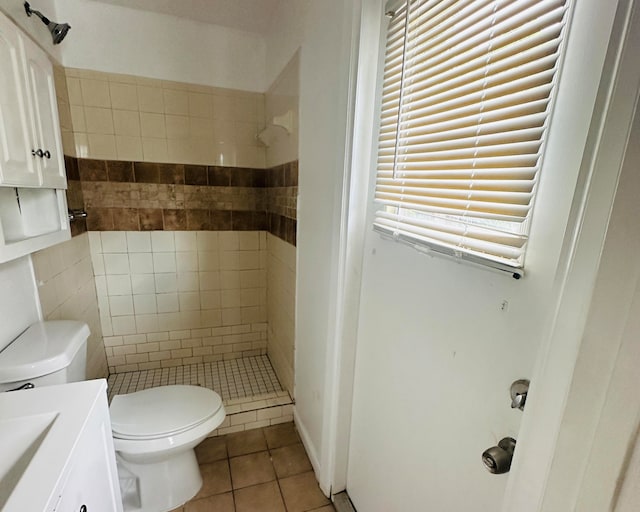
[282,227]
[145,196]
[281,200]
[169,174]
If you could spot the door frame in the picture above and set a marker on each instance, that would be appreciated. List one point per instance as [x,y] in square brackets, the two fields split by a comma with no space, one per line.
[562,430]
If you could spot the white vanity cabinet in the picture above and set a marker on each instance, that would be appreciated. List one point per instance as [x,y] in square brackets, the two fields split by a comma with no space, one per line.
[57,450]
[91,480]
[17,165]
[33,207]
[30,142]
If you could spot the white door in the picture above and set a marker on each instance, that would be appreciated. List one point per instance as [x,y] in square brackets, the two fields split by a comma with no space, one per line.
[45,113]
[440,342]
[17,165]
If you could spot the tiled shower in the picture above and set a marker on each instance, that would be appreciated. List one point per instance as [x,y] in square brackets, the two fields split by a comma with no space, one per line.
[185,266]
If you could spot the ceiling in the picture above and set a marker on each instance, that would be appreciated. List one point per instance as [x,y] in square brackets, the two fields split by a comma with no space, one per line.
[248,15]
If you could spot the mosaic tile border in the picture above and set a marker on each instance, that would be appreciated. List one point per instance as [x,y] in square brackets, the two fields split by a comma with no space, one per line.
[143,196]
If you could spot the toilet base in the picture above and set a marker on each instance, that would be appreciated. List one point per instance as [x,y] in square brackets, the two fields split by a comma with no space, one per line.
[159,486]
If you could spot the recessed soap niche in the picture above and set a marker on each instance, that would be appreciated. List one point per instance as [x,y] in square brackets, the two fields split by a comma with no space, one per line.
[30,219]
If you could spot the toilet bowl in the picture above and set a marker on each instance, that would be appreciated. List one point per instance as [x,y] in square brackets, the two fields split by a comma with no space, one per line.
[155,431]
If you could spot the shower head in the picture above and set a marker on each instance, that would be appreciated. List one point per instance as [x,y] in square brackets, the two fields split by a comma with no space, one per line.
[58,30]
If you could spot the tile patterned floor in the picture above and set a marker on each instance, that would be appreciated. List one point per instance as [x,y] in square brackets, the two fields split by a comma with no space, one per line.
[260,470]
[231,379]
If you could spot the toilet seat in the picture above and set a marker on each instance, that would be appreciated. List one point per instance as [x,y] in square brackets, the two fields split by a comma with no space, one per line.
[162,412]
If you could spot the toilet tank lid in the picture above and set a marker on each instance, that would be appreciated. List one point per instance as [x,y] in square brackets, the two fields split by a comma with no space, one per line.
[44,348]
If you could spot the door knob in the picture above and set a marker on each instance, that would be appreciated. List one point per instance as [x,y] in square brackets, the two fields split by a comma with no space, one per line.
[37,152]
[519,391]
[497,459]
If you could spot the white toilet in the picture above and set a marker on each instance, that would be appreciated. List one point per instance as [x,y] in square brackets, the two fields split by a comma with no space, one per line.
[155,431]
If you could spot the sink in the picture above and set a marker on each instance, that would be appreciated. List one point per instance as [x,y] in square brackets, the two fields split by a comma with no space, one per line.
[22,437]
[39,434]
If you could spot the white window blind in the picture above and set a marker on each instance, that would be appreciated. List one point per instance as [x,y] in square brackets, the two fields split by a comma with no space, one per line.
[466,96]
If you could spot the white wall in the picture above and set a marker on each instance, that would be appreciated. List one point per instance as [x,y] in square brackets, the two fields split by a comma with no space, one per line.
[282,97]
[436,351]
[322,30]
[122,40]
[285,37]
[324,73]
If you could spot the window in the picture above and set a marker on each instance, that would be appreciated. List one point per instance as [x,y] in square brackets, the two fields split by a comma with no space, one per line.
[466,97]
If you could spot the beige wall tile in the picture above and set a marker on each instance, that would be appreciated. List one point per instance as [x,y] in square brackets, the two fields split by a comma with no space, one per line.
[152,125]
[95,93]
[150,99]
[176,102]
[77,119]
[245,134]
[68,144]
[72,72]
[202,151]
[124,96]
[176,86]
[91,74]
[81,145]
[75,91]
[224,131]
[99,120]
[70,263]
[200,105]
[179,150]
[126,122]
[200,125]
[154,150]
[177,126]
[129,148]
[250,156]
[118,78]
[192,314]
[102,146]
[223,108]
[64,113]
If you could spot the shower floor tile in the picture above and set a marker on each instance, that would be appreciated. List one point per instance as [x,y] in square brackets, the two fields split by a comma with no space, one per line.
[233,380]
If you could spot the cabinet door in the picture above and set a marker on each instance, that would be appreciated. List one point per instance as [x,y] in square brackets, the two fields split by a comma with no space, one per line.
[17,165]
[45,115]
[92,481]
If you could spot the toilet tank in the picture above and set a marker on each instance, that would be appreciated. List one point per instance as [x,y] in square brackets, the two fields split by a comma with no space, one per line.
[51,352]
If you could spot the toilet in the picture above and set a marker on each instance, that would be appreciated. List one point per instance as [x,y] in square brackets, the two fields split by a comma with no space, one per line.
[154,431]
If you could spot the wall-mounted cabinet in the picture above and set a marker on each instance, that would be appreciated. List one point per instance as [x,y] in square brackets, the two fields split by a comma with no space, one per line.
[33,209]
[30,143]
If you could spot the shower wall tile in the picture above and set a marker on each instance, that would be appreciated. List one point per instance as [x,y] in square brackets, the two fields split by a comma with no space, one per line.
[120,117]
[281,286]
[172,298]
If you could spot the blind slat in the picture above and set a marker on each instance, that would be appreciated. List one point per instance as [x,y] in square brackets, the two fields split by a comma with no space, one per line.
[466,91]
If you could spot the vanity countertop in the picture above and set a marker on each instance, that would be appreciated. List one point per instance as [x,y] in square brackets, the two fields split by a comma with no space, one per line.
[39,430]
